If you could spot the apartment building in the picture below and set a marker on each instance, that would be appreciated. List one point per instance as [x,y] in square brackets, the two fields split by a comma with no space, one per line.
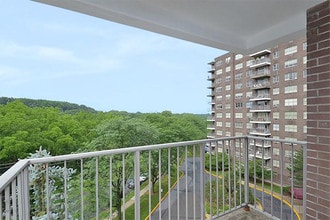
[264,94]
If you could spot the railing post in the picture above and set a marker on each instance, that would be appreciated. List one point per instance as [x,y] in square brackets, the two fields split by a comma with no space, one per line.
[202,186]
[137,184]
[304,179]
[246,171]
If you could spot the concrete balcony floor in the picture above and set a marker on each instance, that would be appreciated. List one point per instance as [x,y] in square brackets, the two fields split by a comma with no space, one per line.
[241,214]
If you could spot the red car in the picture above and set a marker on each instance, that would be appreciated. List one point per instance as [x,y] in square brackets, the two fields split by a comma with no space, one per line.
[298,193]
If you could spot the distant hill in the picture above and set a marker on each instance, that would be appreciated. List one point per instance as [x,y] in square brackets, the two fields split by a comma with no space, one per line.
[66,107]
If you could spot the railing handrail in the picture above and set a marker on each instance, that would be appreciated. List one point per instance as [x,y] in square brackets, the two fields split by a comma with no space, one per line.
[12,172]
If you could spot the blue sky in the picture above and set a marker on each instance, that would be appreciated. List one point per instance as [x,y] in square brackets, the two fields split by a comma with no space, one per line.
[55,54]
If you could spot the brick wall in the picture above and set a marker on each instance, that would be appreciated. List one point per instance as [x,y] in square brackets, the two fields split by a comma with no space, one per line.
[318,107]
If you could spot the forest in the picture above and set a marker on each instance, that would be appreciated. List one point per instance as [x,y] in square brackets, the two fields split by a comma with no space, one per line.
[64,128]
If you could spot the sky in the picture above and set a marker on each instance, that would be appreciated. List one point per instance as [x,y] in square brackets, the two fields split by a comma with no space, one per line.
[55,54]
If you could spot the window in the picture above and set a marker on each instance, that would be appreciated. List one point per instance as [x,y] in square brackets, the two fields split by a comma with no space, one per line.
[249,63]
[248,94]
[276,91]
[228,59]
[290,102]
[238,75]
[238,95]
[304,59]
[219,124]
[219,115]
[275,66]
[227,115]
[248,104]
[276,151]
[305,115]
[239,105]
[227,87]
[238,124]
[290,128]
[238,86]
[305,101]
[238,66]
[219,132]
[305,129]
[249,84]
[290,63]
[218,81]
[287,153]
[227,106]
[290,115]
[218,90]
[276,163]
[249,114]
[276,79]
[290,50]
[304,73]
[219,106]
[228,68]
[304,45]
[276,127]
[218,72]
[238,56]
[238,134]
[290,76]
[276,103]
[228,78]
[238,115]
[228,124]
[228,96]
[248,125]
[290,89]
[275,54]
[248,73]
[276,115]
[228,134]
[305,88]
[290,139]
[219,97]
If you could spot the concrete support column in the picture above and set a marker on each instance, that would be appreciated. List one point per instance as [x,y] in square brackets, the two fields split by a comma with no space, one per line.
[318,108]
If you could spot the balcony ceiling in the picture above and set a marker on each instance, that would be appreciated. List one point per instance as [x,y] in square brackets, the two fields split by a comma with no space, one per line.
[243,26]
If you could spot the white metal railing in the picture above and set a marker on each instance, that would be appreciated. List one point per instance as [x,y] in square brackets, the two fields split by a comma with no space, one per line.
[203,183]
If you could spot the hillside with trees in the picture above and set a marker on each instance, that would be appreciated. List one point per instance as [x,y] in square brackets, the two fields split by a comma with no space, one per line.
[64,128]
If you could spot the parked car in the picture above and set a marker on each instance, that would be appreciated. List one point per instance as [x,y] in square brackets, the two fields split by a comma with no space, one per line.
[298,193]
[130,182]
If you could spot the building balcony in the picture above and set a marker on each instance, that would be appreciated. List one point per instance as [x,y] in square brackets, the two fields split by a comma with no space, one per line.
[260,73]
[211,78]
[211,127]
[265,61]
[260,97]
[210,118]
[257,120]
[87,183]
[261,85]
[260,53]
[260,132]
[265,156]
[261,143]
[260,108]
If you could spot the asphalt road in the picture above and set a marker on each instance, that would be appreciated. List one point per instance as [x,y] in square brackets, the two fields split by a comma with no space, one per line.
[185,201]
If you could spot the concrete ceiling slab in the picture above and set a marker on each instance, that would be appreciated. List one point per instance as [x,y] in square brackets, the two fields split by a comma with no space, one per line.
[243,26]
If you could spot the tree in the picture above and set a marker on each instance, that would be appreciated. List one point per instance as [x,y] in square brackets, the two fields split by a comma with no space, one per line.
[120,133]
[259,167]
[56,175]
[298,164]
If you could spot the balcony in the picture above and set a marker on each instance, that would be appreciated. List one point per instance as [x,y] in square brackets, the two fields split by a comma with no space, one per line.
[260,73]
[262,120]
[260,132]
[202,184]
[210,127]
[210,118]
[260,108]
[264,61]
[260,53]
[261,85]
[260,97]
